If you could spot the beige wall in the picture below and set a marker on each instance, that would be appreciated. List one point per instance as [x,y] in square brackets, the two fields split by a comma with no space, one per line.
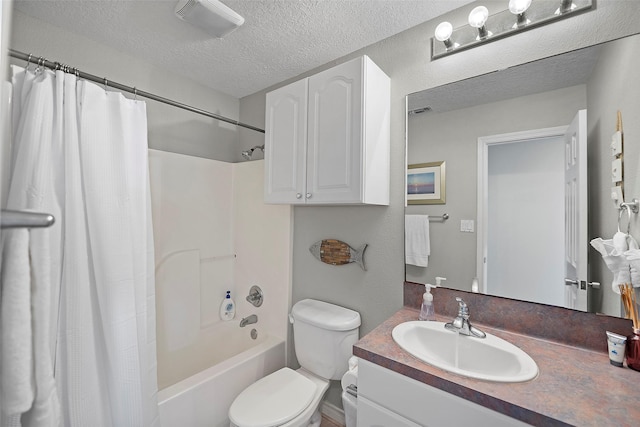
[377,293]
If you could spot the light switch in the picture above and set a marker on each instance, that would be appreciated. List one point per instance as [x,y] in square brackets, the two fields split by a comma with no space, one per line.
[616,144]
[467,225]
[616,170]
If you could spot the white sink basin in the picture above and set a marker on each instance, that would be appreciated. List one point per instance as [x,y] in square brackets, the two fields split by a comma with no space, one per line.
[490,358]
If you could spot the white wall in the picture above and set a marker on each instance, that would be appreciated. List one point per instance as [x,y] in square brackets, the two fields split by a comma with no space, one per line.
[192,200]
[213,233]
[169,128]
[262,236]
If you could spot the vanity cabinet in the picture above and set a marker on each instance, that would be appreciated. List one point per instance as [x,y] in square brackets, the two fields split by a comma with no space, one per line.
[386,398]
[327,137]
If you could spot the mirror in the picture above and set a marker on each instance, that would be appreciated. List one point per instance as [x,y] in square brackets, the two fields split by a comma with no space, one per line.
[449,123]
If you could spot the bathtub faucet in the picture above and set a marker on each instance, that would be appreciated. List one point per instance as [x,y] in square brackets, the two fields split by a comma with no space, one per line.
[248,320]
[255,296]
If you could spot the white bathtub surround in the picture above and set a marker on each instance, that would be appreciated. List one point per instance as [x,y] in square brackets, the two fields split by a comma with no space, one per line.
[214,234]
[80,153]
[203,400]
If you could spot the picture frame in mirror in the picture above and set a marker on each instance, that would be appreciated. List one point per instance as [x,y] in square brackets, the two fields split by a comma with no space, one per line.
[426,183]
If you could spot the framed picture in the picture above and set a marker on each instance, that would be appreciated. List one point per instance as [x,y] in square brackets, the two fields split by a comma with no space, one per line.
[426,184]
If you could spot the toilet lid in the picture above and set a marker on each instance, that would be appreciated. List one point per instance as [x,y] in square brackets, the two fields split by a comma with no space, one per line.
[272,400]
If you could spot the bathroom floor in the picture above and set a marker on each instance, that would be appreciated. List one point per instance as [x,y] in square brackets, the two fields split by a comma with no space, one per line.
[328,422]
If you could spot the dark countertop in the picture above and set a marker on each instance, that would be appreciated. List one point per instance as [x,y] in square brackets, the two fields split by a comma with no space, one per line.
[575,386]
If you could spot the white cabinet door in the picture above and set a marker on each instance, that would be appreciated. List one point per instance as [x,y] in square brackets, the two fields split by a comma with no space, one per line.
[576,212]
[327,138]
[285,144]
[373,415]
[334,157]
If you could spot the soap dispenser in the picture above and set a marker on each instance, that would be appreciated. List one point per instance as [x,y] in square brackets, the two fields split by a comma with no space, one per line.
[426,311]
[227,308]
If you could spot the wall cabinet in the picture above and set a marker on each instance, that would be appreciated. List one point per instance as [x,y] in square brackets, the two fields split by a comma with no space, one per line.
[386,398]
[327,137]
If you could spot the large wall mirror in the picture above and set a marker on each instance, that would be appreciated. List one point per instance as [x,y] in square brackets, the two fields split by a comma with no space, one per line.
[503,137]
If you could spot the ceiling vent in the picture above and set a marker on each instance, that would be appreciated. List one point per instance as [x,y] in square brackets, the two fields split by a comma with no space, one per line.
[212,16]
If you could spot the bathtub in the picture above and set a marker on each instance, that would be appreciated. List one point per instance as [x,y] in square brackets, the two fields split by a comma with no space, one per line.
[204,399]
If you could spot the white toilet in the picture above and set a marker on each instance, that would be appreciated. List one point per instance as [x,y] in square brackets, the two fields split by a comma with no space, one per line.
[323,335]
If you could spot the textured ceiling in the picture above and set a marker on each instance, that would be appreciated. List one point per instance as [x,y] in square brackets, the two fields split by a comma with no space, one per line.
[280,39]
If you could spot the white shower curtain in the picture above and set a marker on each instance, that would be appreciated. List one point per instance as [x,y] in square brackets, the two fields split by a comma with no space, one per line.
[92,171]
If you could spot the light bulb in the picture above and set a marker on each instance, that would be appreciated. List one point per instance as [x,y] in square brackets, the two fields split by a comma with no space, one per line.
[519,6]
[478,16]
[443,31]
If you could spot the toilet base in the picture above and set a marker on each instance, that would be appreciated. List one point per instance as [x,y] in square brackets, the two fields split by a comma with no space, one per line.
[316,419]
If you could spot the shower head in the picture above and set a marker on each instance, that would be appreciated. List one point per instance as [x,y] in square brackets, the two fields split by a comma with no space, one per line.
[247,154]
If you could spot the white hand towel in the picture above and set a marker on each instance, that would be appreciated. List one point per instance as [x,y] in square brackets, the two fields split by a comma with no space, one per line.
[417,247]
[45,411]
[16,373]
[29,397]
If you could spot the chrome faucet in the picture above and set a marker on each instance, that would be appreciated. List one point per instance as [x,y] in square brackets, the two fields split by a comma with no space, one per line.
[249,320]
[255,296]
[461,323]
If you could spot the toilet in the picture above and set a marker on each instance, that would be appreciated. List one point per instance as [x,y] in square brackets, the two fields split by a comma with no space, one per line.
[323,336]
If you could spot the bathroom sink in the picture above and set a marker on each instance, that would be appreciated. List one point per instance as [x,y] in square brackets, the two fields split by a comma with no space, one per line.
[490,358]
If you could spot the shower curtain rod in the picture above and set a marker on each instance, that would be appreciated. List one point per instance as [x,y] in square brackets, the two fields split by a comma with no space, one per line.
[103,80]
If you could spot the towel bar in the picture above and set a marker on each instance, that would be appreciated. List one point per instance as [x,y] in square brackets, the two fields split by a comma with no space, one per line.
[22,219]
[442,217]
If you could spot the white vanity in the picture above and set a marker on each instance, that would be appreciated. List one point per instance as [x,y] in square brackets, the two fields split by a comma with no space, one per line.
[574,386]
[384,394]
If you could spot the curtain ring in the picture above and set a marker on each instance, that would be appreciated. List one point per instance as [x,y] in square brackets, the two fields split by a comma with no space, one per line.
[135,93]
[106,84]
[28,61]
[76,72]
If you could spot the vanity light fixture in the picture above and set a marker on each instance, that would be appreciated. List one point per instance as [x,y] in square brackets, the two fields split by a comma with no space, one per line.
[483,28]
[518,8]
[443,34]
[565,6]
[477,19]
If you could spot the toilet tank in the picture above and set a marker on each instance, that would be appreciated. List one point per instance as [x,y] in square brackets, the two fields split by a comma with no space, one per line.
[323,337]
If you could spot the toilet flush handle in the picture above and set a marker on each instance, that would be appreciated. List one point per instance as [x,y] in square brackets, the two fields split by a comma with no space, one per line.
[290,319]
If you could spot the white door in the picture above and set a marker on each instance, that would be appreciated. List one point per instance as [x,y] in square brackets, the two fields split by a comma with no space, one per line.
[576,239]
[285,144]
[334,151]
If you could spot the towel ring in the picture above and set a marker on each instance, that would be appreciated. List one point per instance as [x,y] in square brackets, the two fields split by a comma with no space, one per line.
[622,209]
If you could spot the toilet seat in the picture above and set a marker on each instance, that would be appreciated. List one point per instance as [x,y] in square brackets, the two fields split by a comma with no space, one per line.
[273,400]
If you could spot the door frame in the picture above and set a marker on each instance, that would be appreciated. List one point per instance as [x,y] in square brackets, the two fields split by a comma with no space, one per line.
[482,194]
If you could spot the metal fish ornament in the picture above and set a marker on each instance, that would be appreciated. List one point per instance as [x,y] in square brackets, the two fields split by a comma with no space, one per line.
[336,252]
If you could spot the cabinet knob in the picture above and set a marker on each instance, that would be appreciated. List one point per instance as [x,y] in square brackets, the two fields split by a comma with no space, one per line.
[298,196]
[308,195]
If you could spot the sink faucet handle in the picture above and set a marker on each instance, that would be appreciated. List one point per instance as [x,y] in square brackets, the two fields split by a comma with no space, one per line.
[463,309]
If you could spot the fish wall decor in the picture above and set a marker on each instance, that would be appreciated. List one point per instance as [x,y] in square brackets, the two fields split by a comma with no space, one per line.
[336,252]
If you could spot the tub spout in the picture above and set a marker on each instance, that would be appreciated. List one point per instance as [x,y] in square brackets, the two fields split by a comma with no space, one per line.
[248,320]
